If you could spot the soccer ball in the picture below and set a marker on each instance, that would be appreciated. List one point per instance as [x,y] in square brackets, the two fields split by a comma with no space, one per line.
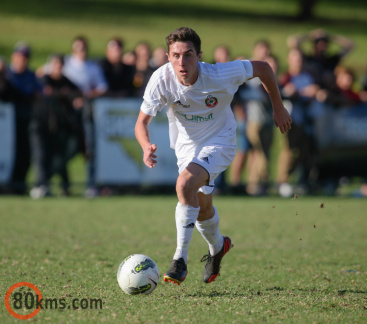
[138,274]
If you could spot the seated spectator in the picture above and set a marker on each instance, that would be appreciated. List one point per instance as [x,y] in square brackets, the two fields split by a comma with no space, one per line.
[55,129]
[119,76]
[27,91]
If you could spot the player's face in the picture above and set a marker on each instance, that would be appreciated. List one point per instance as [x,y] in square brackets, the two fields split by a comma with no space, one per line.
[184,59]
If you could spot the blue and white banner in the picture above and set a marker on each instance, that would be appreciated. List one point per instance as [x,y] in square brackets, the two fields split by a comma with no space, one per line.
[342,128]
[119,158]
[7,141]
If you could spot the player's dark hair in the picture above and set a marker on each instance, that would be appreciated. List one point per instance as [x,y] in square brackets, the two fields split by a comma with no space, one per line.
[184,34]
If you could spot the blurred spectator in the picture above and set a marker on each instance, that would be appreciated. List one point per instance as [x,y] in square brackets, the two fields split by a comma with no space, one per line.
[261,50]
[345,79]
[363,190]
[87,76]
[363,94]
[27,91]
[129,58]
[259,125]
[7,92]
[159,57]
[321,62]
[298,151]
[84,73]
[243,144]
[143,69]
[340,91]
[221,55]
[119,76]
[55,129]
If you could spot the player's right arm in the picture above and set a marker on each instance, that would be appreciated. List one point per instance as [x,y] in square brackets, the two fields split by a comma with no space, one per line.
[143,136]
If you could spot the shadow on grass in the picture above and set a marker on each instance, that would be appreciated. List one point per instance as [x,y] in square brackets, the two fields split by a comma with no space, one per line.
[267,291]
[115,10]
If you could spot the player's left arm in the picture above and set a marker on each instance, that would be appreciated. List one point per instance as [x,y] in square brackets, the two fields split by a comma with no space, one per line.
[281,117]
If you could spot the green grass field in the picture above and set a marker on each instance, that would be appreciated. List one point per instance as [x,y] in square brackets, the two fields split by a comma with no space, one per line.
[293,261]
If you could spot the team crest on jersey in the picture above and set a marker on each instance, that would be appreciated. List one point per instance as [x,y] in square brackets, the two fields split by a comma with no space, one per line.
[211,101]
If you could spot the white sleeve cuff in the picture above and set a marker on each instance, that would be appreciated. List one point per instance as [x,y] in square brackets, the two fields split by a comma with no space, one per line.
[148,109]
[249,69]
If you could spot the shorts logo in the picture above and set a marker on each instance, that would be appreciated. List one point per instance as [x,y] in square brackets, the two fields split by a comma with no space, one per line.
[211,101]
[206,159]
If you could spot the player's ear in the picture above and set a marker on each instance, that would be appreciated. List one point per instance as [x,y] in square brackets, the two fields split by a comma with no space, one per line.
[199,56]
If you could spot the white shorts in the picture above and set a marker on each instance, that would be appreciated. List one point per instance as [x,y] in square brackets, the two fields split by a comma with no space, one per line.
[213,158]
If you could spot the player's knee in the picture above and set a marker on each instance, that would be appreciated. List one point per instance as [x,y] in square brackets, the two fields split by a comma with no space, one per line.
[186,183]
[183,185]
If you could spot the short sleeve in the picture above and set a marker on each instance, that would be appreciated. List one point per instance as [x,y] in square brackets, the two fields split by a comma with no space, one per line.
[150,109]
[249,69]
[154,96]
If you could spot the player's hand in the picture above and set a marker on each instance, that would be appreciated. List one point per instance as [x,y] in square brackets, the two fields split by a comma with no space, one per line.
[149,157]
[282,119]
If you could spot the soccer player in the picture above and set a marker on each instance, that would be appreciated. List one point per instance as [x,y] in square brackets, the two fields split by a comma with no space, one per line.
[202,131]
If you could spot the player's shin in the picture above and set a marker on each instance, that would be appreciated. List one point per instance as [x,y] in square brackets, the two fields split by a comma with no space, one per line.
[209,229]
[186,217]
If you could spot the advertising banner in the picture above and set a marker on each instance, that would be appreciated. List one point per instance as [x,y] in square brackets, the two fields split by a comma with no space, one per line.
[342,128]
[118,154]
[7,141]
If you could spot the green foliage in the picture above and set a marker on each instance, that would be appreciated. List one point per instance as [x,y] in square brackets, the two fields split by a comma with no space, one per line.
[293,261]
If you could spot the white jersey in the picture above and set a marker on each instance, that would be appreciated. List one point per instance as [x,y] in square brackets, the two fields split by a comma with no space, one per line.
[199,113]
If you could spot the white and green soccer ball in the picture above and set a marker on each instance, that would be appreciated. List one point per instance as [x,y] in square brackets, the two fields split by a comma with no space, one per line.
[138,274]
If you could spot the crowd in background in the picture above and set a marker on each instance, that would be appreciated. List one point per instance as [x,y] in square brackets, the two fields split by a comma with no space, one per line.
[54,109]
